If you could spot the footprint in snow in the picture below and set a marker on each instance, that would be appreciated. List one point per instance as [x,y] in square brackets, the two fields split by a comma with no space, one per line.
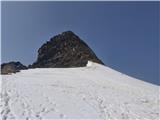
[61,115]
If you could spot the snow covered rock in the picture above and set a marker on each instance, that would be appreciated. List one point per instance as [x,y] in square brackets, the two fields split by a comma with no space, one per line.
[94,92]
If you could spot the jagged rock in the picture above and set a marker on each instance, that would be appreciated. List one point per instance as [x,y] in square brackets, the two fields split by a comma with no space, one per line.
[12,67]
[64,50]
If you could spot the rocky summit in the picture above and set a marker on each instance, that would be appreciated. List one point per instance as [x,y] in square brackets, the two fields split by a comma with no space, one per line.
[64,50]
[12,67]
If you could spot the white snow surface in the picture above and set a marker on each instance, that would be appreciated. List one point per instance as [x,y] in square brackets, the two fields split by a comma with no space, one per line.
[89,63]
[94,92]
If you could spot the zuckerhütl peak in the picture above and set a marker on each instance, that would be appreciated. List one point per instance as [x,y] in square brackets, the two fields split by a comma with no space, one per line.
[64,50]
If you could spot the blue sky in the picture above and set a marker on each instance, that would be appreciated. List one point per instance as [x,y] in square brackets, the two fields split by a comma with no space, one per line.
[124,35]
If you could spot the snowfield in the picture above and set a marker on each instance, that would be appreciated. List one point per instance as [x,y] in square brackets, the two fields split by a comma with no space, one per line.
[92,92]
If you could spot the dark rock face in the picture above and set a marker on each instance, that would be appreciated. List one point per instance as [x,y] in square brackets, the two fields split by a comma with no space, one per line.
[12,67]
[64,50]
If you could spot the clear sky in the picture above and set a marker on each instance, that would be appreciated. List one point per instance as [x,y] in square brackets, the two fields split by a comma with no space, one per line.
[124,35]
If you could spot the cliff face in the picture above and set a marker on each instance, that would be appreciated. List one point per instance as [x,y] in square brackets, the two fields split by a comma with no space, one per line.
[64,50]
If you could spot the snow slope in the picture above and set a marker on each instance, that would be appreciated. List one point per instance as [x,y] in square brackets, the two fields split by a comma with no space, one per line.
[92,92]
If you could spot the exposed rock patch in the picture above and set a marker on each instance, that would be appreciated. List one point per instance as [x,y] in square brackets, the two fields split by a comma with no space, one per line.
[12,67]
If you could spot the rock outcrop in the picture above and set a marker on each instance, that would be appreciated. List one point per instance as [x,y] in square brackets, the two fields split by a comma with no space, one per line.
[12,67]
[64,50]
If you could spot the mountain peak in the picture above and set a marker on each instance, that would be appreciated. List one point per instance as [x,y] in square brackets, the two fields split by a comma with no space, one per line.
[65,50]
[68,33]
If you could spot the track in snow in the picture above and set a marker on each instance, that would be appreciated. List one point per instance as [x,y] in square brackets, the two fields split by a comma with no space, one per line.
[93,92]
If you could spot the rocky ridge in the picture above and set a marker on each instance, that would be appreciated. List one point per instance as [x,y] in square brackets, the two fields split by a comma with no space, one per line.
[61,51]
[65,50]
[12,67]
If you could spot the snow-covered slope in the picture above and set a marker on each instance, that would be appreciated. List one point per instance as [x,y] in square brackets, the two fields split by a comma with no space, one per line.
[92,92]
